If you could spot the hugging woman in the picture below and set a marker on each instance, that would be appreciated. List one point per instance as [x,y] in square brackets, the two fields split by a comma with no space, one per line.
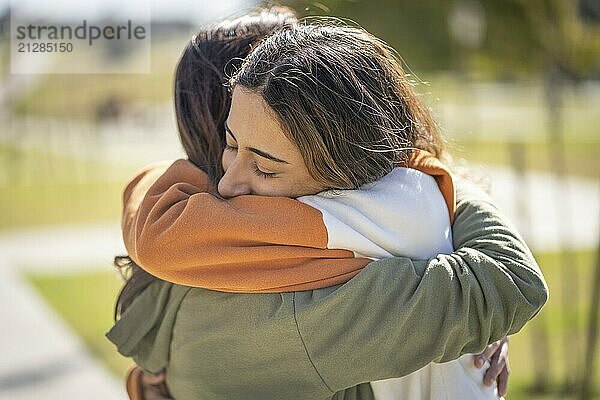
[312,295]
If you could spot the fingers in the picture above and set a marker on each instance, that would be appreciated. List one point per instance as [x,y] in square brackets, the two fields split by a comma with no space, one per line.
[481,358]
[154,387]
[499,369]
[497,364]
[153,379]
[503,380]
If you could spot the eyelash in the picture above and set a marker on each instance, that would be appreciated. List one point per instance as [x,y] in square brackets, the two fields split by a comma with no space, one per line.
[257,171]
[262,174]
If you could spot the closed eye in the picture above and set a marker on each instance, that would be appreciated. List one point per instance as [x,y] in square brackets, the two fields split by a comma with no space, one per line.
[263,174]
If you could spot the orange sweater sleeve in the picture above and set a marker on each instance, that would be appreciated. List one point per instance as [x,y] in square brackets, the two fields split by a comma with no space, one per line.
[175,229]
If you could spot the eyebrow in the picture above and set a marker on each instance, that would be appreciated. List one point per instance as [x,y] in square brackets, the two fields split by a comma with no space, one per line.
[255,150]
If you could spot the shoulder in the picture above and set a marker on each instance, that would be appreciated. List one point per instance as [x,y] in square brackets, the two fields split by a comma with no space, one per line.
[402,214]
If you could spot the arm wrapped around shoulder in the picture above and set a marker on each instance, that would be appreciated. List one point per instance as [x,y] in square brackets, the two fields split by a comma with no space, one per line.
[176,228]
[398,315]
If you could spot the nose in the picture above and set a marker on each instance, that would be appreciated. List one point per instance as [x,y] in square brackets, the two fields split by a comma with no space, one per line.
[235,182]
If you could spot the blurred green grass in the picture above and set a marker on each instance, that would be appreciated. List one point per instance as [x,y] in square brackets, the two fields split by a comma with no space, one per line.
[44,188]
[64,203]
[556,319]
[85,301]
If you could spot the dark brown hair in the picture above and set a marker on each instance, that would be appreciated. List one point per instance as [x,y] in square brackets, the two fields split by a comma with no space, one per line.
[342,97]
[202,104]
[202,99]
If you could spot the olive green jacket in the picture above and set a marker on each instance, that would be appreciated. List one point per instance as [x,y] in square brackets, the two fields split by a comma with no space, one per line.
[393,318]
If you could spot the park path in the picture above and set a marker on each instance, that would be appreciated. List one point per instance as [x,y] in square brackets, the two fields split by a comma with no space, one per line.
[42,358]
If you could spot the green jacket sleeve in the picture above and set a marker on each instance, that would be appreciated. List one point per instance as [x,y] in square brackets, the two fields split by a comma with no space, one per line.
[398,315]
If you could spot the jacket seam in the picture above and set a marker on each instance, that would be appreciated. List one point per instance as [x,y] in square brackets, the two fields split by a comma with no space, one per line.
[306,348]
[175,322]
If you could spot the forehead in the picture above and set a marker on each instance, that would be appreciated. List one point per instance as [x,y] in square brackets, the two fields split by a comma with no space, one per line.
[254,123]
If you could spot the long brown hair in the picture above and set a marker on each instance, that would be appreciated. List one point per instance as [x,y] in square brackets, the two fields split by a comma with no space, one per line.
[202,103]
[342,97]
